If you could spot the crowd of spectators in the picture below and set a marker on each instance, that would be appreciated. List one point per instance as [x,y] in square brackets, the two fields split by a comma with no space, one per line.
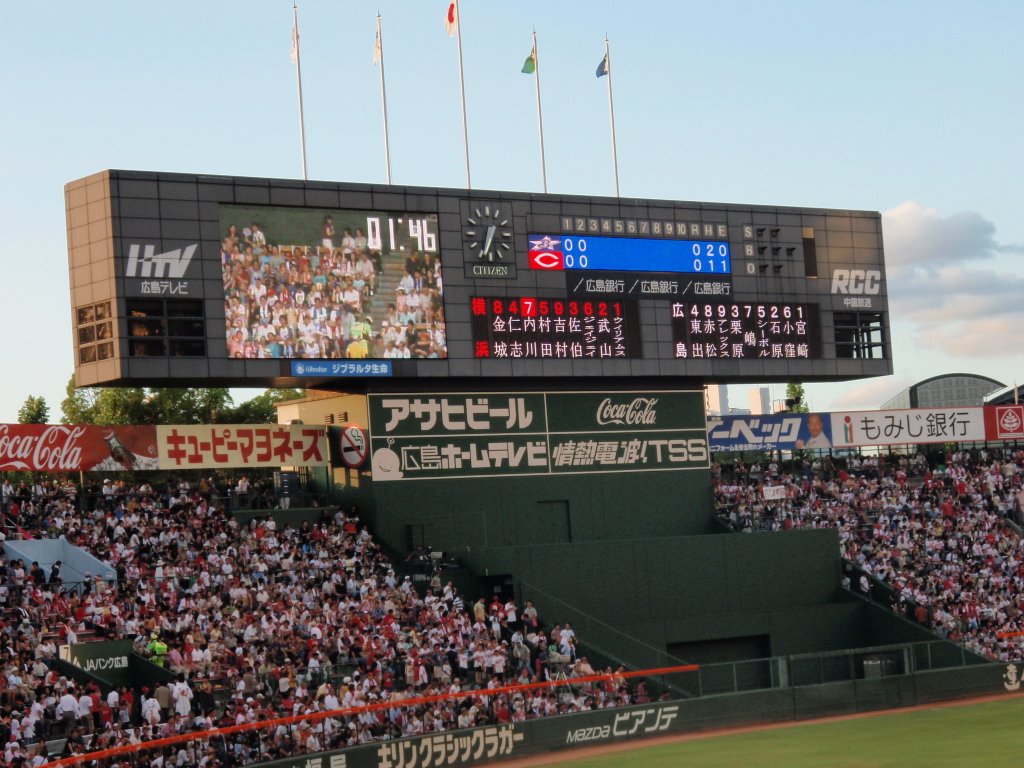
[22,500]
[944,536]
[256,621]
[30,506]
[315,301]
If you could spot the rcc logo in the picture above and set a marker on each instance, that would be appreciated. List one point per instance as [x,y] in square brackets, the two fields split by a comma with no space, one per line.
[857,281]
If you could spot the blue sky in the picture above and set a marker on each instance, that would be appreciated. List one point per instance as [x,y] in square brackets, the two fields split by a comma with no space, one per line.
[913,109]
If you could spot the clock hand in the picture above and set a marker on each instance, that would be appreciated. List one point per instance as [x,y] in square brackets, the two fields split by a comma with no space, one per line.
[487,243]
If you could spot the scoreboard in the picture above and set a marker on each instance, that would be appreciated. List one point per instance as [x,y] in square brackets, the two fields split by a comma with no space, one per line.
[208,280]
[629,254]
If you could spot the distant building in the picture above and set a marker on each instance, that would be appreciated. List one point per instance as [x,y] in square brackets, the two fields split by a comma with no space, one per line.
[759,400]
[946,391]
[716,396]
[1006,395]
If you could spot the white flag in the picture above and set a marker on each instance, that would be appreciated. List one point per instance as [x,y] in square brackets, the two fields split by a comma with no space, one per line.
[295,44]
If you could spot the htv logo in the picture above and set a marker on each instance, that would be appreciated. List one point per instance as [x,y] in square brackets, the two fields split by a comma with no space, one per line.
[857,281]
[153,264]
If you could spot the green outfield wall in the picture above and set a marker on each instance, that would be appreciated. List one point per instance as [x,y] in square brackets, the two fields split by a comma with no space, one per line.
[490,744]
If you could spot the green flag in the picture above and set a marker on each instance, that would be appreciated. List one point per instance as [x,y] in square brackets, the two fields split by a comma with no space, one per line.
[530,65]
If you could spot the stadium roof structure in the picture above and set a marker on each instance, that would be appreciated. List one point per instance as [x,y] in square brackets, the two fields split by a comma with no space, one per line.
[1006,395]
[945,391]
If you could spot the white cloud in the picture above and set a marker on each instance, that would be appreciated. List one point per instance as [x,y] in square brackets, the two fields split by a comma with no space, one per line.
[865,395]
[971,292]
[919,237]
[950,305]
[981,338]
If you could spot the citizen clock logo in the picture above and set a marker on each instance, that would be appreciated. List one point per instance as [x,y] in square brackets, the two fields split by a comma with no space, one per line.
[170,264]
[487,239]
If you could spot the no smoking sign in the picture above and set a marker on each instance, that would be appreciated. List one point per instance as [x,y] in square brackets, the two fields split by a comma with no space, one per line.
[354,446]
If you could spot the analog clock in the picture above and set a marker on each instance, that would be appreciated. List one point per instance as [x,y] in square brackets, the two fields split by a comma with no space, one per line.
[488,232]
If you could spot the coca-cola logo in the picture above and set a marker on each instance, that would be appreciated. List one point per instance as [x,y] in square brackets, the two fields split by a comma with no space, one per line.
[54,449]
[638,412]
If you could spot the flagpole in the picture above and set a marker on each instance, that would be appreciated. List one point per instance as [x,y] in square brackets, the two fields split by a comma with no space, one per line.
[383,97]
[540,117]
[298,77]
[611,112]
[462,85]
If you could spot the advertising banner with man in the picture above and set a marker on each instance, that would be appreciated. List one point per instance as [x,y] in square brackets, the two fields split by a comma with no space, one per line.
[852,429]
[776,432]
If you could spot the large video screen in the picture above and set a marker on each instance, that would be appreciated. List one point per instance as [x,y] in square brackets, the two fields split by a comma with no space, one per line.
[331,284]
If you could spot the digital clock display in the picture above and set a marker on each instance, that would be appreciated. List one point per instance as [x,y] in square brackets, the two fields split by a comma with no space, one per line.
[629,254]
[745,330]
[556,329]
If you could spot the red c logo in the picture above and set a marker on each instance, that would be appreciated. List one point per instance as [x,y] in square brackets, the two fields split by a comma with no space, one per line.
[546,260]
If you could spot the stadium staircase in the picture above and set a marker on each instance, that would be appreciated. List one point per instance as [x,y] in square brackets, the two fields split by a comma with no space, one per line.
[11,530]
[57,635]
[384,293]
[77,566]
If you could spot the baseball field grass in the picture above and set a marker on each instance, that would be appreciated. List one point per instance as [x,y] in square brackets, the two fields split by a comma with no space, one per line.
[982,734]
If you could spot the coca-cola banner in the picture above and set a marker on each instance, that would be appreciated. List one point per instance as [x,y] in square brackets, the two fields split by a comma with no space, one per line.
[76,448]
[241,445]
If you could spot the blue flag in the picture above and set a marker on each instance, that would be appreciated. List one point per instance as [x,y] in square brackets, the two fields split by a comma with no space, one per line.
[602,68]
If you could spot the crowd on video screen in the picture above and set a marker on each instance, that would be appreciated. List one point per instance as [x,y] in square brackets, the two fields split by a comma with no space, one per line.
[351,285]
